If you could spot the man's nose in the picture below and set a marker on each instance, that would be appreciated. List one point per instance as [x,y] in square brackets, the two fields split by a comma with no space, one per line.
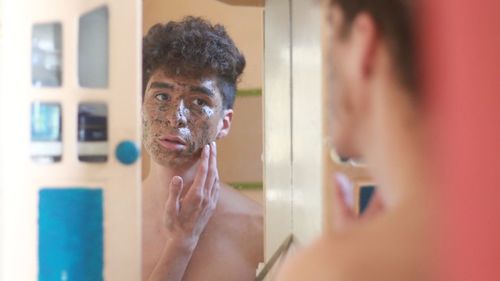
[178,117]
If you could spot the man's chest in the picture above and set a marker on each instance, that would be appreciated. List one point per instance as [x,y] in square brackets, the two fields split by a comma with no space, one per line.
[217,257]
[153,243]
[220,260]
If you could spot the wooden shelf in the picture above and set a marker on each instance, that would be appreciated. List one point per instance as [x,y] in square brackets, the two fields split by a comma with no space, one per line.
[254,3]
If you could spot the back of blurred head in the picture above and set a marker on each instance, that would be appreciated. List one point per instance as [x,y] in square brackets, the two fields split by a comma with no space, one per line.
[371,59]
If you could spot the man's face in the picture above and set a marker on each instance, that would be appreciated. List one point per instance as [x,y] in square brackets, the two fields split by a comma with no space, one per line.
[180,115]
[342,78]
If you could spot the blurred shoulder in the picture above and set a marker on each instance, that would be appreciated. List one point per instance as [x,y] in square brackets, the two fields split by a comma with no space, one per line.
[395,246]
[314,262]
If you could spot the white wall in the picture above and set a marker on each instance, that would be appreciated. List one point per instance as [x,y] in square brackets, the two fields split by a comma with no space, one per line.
[306,119]
[1,134]
[293,121]
[277,125]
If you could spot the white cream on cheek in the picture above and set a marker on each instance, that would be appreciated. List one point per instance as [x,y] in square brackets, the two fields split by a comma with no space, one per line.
[209,112]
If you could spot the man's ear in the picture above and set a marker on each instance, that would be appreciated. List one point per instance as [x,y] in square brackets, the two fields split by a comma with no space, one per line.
[362,53]
[225,124]
[365,38]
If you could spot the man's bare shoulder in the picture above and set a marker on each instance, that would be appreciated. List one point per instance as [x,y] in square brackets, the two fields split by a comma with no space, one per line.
[233,201]
[235,236]
[241,220]
[390,247]
[239,215]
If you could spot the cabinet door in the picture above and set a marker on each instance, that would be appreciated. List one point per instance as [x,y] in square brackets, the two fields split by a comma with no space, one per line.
[70,121]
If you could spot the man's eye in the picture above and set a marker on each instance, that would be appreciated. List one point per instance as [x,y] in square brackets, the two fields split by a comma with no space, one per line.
[161,97]
[200,102]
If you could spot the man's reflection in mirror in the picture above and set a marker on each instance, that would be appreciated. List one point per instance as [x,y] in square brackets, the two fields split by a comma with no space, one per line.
[194,226]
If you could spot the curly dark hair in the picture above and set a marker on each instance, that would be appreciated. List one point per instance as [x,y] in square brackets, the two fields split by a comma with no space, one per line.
[193,47]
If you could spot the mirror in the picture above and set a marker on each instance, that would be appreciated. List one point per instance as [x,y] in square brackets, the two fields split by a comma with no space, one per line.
[190,69]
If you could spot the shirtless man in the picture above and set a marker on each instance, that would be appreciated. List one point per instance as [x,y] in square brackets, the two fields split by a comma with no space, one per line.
[194,227]
[377,117]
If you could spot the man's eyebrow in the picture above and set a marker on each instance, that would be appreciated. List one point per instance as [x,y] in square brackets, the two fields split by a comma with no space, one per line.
[161,85]
[202,90]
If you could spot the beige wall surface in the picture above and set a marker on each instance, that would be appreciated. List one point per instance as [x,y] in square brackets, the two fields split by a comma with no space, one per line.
[241,152]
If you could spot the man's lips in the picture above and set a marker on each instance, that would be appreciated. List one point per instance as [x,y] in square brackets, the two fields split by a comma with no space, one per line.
[172,142]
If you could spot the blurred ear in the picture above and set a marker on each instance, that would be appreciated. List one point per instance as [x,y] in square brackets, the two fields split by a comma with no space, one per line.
[225,124]
[363,43]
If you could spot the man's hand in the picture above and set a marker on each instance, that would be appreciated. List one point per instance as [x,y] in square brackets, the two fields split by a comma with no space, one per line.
[186,218]
[346,215]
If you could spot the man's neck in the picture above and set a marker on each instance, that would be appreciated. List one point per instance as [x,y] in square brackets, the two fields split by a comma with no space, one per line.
[158,181]
[393,145]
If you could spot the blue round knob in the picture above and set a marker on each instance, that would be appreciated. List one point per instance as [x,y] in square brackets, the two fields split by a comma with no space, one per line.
[127,152]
